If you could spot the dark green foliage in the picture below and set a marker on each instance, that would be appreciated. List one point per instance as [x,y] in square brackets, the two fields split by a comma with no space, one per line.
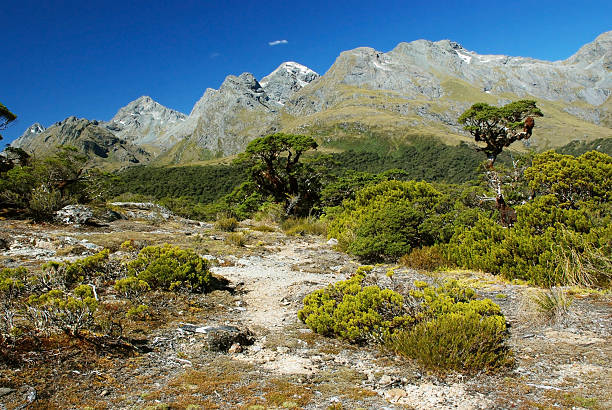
[194,184]
[276,170]
[43,186]
[442,327]
[171,268]
[498,127]
[577,148]
[390,218]
[421,158]
[6,117]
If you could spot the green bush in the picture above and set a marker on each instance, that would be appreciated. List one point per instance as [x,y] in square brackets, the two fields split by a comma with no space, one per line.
[442,327]
[227,224]
[70,313]
[386,219]
[548,245]
[171,268]
[354,312]
[460,341]
[56,274]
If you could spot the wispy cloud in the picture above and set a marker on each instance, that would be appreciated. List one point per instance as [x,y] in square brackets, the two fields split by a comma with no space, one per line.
[277,42]
[214,55]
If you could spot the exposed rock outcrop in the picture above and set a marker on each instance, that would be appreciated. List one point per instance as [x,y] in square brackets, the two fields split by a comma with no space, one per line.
[144,121]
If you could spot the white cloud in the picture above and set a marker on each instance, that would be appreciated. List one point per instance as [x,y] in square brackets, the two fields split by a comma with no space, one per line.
[277,42]
[214,55]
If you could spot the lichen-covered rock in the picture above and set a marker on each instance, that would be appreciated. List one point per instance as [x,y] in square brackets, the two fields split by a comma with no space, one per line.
[74,214]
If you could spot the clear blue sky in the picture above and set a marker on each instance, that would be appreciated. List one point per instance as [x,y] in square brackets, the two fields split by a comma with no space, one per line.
[89,58]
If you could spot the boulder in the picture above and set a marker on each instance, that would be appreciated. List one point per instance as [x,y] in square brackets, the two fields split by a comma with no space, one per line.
[74,214]
[222,338]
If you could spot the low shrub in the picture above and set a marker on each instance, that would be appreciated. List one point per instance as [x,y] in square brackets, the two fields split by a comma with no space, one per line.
[226,224]
[238,239]
[428,258]
[171,268]
[44,203]
[304,226]
[553,304]
[68,312]
[440,326]
[354,312]
[13,283]
[460,341]
[263,228]
[68,274]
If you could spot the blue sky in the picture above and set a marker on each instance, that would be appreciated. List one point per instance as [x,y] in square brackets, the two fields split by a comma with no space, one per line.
[88,59]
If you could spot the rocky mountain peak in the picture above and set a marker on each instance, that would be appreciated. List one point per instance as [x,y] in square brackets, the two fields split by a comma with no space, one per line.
[289,77]
[35,128]
[143,120]
[28,136]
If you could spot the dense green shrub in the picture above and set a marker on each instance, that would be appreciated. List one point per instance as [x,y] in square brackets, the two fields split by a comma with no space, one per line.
[354,312]
[572,179]
[459,341]
[68,274]
[171,268]
[387,219]
[549,245]
[442,327]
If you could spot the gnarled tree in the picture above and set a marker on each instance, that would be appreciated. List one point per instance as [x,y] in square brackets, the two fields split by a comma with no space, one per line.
[498,127]
[276,170]
[6,117]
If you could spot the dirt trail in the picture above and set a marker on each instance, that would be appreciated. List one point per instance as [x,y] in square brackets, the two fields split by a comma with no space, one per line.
[273,282]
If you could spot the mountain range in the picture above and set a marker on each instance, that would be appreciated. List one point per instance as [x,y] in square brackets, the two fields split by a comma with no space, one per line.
[418,88]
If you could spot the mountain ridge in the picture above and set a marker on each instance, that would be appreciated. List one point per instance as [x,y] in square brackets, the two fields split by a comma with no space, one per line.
[418,87]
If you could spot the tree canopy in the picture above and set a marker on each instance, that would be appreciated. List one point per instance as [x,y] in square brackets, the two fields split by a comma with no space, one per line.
[277,171]
[5,117]
[498,127]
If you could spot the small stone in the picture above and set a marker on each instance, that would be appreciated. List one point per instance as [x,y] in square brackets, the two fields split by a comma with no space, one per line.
[332,242]
[386,379]
[282,349]
[235,348]
[104,393]
[394,395]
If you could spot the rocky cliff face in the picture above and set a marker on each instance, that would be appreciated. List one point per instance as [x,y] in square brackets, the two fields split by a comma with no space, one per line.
[144,121]
[425,86]
[28,136]
[223,121]
[289,77]
[90,137]
[419,69]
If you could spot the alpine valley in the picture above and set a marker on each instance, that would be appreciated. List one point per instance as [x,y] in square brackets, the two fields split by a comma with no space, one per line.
[417,89]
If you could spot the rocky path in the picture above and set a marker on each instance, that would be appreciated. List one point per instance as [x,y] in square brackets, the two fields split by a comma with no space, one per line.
[273,283]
